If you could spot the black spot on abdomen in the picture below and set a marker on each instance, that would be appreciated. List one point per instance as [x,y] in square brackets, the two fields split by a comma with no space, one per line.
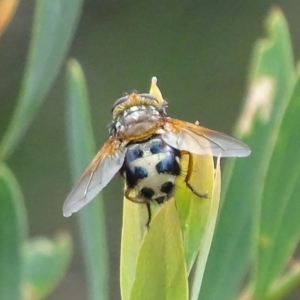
[147,192]
[133,154]
[133,175]
[167,187]
[168,165]
[156,147]
[140,172]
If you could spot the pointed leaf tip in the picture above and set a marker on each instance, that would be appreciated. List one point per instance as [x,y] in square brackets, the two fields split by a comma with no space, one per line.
[155,92]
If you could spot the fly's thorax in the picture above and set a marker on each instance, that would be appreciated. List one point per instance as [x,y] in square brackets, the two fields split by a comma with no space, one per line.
[137,121]
[151,168]
[137,116]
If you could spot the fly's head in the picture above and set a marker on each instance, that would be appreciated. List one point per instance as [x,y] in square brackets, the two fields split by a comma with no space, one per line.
[136,115]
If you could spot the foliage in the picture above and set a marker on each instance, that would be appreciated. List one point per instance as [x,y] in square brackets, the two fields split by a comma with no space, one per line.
[258,197]
[32,268]
[257,229]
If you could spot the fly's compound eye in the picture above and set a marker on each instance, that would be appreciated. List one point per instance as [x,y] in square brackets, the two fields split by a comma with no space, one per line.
[119,101]
[148,96]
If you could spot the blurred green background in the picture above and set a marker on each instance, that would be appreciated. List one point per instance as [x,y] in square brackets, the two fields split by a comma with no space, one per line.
[200,52]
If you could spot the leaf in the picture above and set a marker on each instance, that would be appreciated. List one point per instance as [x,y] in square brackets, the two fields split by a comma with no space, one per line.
[271,82]
[161,271]
[7,10]
[46,263]
[208,235]
[135,217]
[279,217]
[81,150]
[194,211]
[54,26]
[12,234]
[283,286]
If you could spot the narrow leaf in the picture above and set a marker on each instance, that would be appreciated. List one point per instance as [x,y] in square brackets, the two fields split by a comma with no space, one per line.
[279,218]
[54,24]
[285,284]
[13,228]
[161,271]
[194,210]
[208,235]
[135,217]
[271,81]
[82,149]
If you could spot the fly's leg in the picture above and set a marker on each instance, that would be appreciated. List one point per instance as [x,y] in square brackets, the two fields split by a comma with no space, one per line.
[149,215]
[188,177]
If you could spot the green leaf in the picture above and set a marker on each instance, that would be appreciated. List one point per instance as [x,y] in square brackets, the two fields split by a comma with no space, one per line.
[81,149]
[193,210]
[161,270]
[270,84]
[285,284]
[54,25]
[46,263]
[12,234]
[135,217]
[208,234]
[279,217]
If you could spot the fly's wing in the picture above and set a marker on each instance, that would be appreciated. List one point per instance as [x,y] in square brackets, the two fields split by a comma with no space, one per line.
[199,140]
[98,174]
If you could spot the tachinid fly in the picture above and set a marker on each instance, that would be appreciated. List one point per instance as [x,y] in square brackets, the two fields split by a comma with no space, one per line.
[145,146]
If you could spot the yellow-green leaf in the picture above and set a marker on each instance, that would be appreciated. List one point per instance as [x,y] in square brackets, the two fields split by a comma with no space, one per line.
[208,234]
[135,217]
[161,270]
[194,210]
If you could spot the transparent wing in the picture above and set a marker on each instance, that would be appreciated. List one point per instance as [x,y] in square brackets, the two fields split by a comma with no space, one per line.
[199,140]
[98,174]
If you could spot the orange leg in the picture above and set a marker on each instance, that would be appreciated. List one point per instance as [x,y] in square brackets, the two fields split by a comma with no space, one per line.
[189,174]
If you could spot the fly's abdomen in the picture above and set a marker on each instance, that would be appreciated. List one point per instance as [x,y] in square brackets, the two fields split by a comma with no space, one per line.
[151,168]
